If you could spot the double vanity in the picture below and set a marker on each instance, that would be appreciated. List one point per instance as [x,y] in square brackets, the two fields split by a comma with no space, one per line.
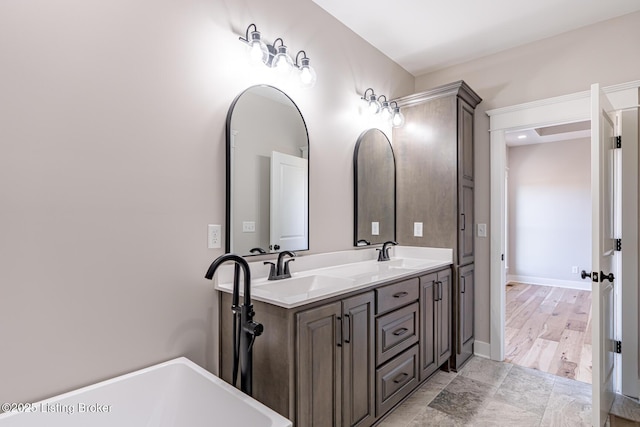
[347,337]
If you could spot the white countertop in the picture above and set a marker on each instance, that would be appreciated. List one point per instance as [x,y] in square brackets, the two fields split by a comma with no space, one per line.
[319,276]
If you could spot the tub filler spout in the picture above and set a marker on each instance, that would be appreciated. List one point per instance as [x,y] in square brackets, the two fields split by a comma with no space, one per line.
[245,330]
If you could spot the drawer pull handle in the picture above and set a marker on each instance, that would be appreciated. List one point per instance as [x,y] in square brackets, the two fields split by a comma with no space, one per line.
[400,378]
[400,294]
[400,331]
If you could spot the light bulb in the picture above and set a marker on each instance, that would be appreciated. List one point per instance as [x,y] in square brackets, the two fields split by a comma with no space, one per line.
[386,112]
[258,51]
[282,62]
[374,105]
[307,74]
[398,118]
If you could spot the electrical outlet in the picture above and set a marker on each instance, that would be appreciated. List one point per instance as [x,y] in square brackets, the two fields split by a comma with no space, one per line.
[574,269]
[214,236]
[417,229]
[248,226]
[375,228]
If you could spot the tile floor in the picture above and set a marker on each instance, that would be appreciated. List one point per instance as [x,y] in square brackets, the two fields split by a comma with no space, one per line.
[488,393]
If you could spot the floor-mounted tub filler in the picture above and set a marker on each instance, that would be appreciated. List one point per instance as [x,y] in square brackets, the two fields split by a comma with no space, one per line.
[177,393]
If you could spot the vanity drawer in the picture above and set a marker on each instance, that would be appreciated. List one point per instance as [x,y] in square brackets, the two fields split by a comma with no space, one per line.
[397,295]
[395,380]
[396,332]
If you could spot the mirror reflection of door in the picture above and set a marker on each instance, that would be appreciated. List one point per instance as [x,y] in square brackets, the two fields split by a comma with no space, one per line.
[263,120]
[289,228]
[375,189]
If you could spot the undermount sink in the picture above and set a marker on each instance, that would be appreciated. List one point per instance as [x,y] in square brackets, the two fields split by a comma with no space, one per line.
[408,263]
[310,285]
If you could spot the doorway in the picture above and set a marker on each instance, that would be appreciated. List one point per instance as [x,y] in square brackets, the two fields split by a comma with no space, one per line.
[567,109]
[547,243]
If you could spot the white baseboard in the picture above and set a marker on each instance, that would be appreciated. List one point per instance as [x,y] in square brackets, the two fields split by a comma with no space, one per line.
[571,284]
[482,349]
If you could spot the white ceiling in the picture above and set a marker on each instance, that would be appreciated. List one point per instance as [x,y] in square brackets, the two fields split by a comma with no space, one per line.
[564,132]
[426,35]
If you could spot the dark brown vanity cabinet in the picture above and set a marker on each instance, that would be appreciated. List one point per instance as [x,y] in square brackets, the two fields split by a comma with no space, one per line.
[335,364]
[347,360]
[435,321]
[435,185]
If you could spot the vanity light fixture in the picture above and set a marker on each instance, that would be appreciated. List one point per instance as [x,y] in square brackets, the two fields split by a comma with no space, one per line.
[389,110]
[397,120]
[277,56]
[373,105]
[307,74]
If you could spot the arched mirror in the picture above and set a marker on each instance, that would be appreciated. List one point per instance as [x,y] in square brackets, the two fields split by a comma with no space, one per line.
[375,189]
[267,174]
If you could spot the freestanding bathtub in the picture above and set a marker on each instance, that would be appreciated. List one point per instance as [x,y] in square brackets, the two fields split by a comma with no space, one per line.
[176,393]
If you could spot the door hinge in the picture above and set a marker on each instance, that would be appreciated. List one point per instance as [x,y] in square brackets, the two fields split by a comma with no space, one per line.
[618,245]
[619,141]
[618,346]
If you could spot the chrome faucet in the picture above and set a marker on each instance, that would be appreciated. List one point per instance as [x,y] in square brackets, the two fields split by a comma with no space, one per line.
[383,253]
[245,330]
[281,269]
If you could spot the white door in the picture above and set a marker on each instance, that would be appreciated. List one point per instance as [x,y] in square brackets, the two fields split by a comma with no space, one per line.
[289,224]
[603,253]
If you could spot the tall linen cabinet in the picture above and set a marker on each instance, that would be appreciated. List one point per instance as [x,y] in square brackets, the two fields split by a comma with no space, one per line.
[435,187]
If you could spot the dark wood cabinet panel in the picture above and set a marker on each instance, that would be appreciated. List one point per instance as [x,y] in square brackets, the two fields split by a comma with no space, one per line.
[396,295]
[395,380]
[464,315]
[396,331]
[319,367]
[466,243]
[358,367]
[435,322]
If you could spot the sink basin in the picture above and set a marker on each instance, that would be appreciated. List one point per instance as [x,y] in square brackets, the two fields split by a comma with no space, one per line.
[407,263]
[309,285]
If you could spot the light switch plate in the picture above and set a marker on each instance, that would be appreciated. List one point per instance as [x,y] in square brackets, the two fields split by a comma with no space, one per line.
[248,226]
[375,228]
[482,230]
[417,229]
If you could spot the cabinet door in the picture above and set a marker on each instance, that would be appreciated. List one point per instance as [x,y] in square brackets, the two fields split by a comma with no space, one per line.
[444,316]
[466,241]
[319,367]
[466,296]
[358,361]
[428,315]
[465,183]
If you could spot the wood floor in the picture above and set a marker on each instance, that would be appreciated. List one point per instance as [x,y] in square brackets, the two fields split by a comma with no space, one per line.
[549,329]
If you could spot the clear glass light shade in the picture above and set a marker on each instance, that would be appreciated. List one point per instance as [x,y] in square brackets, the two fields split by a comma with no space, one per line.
[373,105]
[386,111]
[282,62]
[398,118]
[307,74]
[258,51]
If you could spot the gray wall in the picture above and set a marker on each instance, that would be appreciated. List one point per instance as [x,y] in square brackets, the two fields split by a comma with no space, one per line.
[549,210]
[605,53]
[112,164]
